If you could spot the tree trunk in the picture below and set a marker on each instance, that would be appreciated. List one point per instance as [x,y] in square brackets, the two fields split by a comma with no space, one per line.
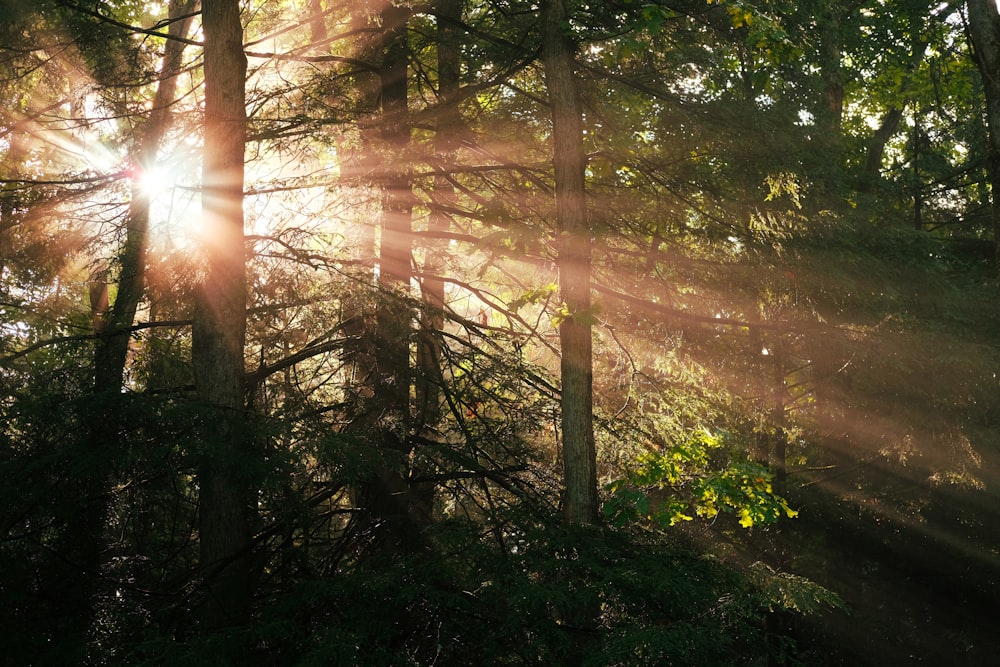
[984,30]
[830,62]
[894,115]
[317,24]
[387,493]
[916,141]
[876,149]
[226,503]
[429,380]
[9,204]
[112,346]
[358,164]
[778,410]
[84,546]
[428,394]
[576,366]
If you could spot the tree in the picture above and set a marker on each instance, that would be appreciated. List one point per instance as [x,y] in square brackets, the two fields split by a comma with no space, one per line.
[227,497]
[332,464]
[448,14]
[573,231]
[387,496]
[112,319]
[984,29]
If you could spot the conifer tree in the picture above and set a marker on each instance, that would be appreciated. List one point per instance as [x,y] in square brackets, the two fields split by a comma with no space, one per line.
[227,499]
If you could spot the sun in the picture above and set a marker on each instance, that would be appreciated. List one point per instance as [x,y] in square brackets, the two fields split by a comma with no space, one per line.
[155,180]
[169,190]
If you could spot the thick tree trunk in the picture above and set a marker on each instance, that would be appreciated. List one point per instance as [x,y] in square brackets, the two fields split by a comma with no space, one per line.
[876,148]
[984,29]
[226,503]
[576,366]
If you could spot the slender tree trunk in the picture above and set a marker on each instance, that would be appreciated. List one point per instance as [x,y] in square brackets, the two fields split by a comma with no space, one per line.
[317,24]
[358,164]
[84,544]
[429,380]
[778,410]
[576,366]
[918,184]
[984,30]
[227,502]
[358,168]
[830,59]
[112,347]
[828,162]
[387,496]
[579,454]
[397,199]
[9,205]
[428,394]
[891,119]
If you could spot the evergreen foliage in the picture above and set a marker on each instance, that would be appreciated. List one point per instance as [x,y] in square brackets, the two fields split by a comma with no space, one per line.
[792,286]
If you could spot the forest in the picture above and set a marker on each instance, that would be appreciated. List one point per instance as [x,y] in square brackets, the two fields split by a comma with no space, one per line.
[499,332]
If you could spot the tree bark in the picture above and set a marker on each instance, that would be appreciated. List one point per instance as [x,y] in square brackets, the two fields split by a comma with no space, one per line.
[227,501]
[984,31]
[429,379]
[830,61]
[428,394]
[112,346]
[387,494]
[876,148]
[84,544]
[575,338]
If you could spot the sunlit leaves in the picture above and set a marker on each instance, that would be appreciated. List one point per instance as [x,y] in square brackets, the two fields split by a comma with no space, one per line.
[690,479]
[533,296]
[587,317]
[784,184]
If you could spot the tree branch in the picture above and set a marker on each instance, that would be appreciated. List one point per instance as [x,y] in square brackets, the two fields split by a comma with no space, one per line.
[91,336]
[134,29]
